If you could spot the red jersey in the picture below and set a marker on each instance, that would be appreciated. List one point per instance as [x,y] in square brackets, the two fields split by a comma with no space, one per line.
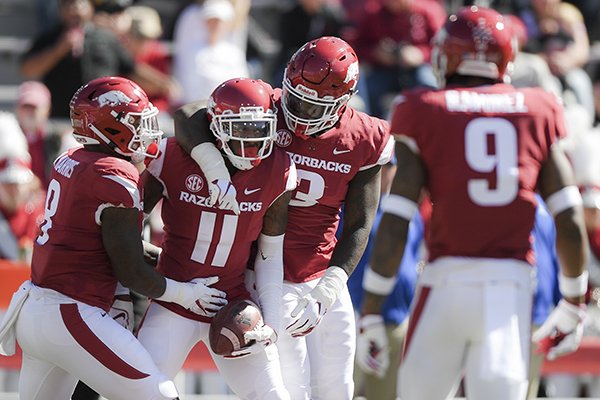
[482,149]
[24,222]
[202,241]
[68,255]
[326,164]
[417,25]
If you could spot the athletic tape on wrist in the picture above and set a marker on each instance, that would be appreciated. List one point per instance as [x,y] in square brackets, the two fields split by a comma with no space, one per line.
[573,287]
[172,293]
[563,199]
[210,160]
[377,284]
[330,285]
[399,206]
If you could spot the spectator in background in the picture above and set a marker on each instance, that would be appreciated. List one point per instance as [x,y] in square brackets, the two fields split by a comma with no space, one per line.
[44,139]
[111,15]
[151,56]
[21,208]
[21,204]
[306,20]
[205,65]
[355,9]
[394,43]
[530,70]
[142,41]
[557,32]
[76,51]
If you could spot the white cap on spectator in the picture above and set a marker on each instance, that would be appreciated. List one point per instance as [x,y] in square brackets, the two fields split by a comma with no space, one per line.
[15,170]
[219,9]
[12,140]
[145,22]
[33,93]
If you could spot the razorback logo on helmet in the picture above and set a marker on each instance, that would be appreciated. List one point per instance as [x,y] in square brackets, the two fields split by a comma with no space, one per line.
[482,36]
[352,73]
[284,138]
[113,98]
[194,183]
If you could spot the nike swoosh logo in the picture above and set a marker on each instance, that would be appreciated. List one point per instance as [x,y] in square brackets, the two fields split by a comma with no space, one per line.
[337,152]
[250,191]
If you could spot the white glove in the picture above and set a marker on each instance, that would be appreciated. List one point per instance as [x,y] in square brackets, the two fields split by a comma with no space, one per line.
[264,336]
[562,331]
[195,295]
[308,313]
[122,312]
[311,308]
[222,193]
[372,351]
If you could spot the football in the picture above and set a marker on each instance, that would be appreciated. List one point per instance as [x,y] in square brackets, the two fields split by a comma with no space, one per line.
[227,328]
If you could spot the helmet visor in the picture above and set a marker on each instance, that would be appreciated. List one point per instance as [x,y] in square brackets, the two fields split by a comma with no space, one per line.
[303,108]
[248,139]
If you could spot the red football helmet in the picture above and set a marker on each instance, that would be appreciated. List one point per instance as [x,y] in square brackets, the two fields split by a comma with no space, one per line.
[243,118]
[115,112]
[319,80]
[476,41]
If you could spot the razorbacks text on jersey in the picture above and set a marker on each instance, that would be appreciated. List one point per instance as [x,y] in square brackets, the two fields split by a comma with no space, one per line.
[202,241]
[483,149]
[68,255]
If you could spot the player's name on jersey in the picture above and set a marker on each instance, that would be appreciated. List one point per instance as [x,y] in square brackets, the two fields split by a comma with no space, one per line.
[312,162]
[245,206]
[465,101]
[65,166]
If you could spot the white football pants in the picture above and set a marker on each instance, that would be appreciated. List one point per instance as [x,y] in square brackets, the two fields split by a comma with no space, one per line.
[470,316]
[318,366]
[64,341]
[169,338]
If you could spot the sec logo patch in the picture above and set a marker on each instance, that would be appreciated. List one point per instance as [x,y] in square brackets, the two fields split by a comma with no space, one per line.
[194,183]
[284,138]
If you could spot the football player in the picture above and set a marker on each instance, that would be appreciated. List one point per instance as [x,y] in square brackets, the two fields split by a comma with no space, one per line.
[203,241]
[481,148]
[89,240]
[338,153]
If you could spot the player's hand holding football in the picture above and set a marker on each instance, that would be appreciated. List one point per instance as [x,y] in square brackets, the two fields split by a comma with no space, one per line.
[562,331]
[196,295]
[263,337]
[311,308]
[372,351]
